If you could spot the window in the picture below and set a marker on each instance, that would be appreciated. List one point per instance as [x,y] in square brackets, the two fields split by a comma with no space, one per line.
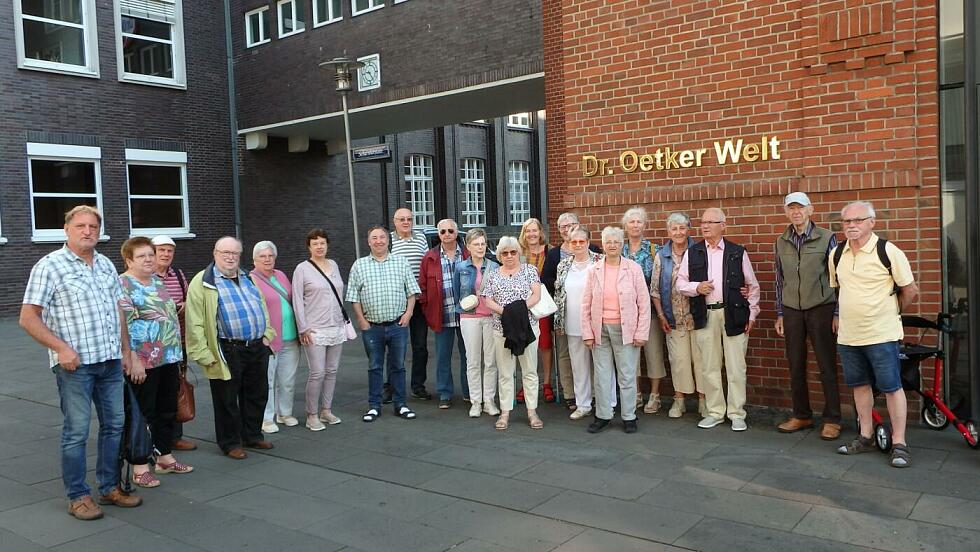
[57,35]
[151,42]
[292,20]
[326,11]
[257,27]
[472,197]
[519,191]
[61,177]
[419,195]
[157,192]
[519,120]
[363,6]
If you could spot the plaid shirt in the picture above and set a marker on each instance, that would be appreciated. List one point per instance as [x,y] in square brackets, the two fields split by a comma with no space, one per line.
[382,287]
[79,303]
[449,317]
[240,313]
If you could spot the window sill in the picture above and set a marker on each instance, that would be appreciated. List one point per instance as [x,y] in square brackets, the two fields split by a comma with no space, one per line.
[369,10]
[291,33]
[175,235]
[59,239]
[137,79]
[515,127]
[67,70]
[317,24]
[259,43]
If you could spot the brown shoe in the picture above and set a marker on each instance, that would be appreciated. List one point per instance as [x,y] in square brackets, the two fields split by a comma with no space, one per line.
[263,445]
[830,432]
[795,424]
[237,454]
[183,444]
[118,498]
[84,509]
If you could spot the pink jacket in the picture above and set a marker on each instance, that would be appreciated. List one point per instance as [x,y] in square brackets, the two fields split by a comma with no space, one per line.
[273,302]
[634,302]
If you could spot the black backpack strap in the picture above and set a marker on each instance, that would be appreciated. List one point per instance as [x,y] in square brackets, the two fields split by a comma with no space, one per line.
[838,253]
[883,255]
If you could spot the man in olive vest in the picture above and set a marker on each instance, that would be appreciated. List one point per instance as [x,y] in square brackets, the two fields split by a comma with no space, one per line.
[713,273]
[806,307]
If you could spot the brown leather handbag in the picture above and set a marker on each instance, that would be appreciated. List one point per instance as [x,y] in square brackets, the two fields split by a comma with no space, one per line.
[185,396]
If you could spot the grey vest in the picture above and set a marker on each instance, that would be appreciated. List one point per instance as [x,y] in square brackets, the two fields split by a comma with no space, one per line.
[806,283]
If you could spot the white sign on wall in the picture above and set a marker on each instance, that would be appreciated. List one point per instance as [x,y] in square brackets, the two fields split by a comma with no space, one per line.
[369,76]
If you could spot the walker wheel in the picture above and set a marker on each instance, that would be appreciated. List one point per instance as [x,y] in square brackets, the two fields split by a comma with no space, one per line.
[883,438]
[934,417]
[971,428]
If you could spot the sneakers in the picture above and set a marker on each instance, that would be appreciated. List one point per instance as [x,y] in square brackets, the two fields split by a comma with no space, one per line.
[475,410]
[84,509]
[491,408]
[677,409]
[421,394]
[270,427]
[858,446]
[708,422]
[328,417]
[579,413]
[629,426]
[313,423]
[118,498]
[653,405]
[738,424]
[288,421]
[445,404]
[597,425]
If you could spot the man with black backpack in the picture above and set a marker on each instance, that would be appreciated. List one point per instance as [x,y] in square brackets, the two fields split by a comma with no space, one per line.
[875,284]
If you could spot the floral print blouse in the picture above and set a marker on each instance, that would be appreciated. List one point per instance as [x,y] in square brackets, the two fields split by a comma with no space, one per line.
[506,289]
[151,316]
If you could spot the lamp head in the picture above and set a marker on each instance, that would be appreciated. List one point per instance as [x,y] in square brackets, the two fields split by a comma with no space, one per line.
[342,68]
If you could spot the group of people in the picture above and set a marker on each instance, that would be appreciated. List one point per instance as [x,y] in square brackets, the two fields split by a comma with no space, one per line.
[629,299]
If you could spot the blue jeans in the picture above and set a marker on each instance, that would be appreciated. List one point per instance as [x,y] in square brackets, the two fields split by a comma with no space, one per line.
[101,383]
[444,362]
[877,365]
[376,339]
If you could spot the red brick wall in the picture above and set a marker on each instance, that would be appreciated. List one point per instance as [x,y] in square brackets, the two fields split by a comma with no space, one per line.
[849,87]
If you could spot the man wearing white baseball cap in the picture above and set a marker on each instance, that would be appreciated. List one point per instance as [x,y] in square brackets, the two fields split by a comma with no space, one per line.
[806,308]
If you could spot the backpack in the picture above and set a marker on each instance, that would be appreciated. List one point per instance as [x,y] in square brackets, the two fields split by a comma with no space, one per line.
[882,258]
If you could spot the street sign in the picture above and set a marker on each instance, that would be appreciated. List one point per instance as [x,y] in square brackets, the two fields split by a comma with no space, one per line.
[377,152]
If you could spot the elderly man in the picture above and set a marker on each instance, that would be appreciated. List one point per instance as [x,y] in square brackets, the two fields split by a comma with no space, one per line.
[382,290]
[712,274]
[876,283]
[412,246]
[228,335]
[806,308]
[439,306]
[70,307]
[176,283]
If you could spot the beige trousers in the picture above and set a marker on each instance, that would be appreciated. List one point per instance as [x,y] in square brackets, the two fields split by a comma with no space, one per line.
[507,366]
[564,366]
[685,361]
[653,351]
[715,346]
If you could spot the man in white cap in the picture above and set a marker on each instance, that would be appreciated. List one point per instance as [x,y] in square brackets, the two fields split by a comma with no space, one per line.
[176,284]
[806,308]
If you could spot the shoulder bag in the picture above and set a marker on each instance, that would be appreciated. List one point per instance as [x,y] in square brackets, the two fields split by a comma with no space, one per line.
[349,327]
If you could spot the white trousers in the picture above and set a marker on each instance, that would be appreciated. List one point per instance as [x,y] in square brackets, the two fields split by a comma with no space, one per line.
[581,358]
[282,376]
[507,367]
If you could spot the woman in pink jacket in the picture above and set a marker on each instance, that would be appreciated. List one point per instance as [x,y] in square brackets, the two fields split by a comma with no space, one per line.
[615,324]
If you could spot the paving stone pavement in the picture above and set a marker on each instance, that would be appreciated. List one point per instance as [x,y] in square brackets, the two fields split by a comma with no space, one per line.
[448,482]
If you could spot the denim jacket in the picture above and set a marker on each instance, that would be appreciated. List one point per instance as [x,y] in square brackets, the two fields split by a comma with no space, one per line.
[464,279]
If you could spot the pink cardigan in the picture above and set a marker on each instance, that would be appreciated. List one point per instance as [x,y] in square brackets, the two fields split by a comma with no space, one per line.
[634,301]
[274,302]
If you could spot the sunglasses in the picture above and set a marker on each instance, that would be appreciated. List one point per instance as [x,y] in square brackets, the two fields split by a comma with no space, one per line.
[508,253]
[447,231]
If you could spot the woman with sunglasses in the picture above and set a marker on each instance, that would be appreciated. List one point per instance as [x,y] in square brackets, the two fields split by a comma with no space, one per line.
[534,249]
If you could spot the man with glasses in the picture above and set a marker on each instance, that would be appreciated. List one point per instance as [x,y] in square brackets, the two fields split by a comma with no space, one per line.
[712,274]
[871,324]
[228,335]
[806,308]
[438,304]
[412,246]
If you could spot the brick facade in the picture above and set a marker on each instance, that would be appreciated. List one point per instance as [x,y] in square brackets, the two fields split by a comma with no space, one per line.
[849,88]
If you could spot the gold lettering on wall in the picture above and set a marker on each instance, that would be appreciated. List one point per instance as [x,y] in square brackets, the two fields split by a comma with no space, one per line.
[727,152]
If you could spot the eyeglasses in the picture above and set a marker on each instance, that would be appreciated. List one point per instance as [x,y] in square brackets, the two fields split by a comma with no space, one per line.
[403,219]
[508,253]
[446,231]
[565,226]
[578,242]
[712,222]
[847,222]
[235,254]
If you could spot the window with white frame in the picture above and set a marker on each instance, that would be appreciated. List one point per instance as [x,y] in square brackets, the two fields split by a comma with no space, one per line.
[61,177]
[419,192]
[291,16]
[519,120]
[363,6]
[157,192]
[519,191]
[326,11]
[257,27]
[151,42]
[472,193]
[57,35]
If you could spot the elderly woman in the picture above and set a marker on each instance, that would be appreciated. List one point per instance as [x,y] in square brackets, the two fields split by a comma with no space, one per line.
[278,294]
[475,325]
[673,314]
[643,252]
[569,289]
[514,287]
[154,336]
[534,249]
[615,316]
[321,321]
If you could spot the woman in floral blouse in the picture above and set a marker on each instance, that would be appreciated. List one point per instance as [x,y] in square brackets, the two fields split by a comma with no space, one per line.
[154,336]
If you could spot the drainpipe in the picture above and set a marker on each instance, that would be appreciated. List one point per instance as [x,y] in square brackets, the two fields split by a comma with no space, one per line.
[233,121]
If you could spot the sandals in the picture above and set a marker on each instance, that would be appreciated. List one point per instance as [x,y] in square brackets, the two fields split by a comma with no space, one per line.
[858,445]
[549,393]
[175,467]
[405,413]
[534,421]
[502,423]
[371,415]
[570,404]
[146,480]
[901,458]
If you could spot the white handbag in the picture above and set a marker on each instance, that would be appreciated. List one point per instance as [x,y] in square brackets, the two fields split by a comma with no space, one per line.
[545,306]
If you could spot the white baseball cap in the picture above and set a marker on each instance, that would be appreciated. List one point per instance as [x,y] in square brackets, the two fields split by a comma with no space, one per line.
[163,240]
[797,197]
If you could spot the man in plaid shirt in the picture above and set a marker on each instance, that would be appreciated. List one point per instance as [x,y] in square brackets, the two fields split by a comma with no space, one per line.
[382,290]
[71,307]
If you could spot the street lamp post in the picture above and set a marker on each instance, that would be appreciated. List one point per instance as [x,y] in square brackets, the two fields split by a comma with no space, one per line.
[342,68]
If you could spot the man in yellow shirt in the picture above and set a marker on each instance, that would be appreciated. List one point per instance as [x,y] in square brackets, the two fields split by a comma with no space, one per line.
[870,325]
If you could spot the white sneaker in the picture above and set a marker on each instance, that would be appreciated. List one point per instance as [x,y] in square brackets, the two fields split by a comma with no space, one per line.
[288,421]
[328,417]
[491,408]
[269,427]
[708,422]
[702,407]
[475,410]
[579,413]
[653,405]
[314,424]
[738,424]
[677,409]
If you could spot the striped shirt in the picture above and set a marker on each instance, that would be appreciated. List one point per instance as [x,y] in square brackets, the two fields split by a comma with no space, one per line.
[411,249]
[79,304]
[382,287]
[240,313]
[176,291]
